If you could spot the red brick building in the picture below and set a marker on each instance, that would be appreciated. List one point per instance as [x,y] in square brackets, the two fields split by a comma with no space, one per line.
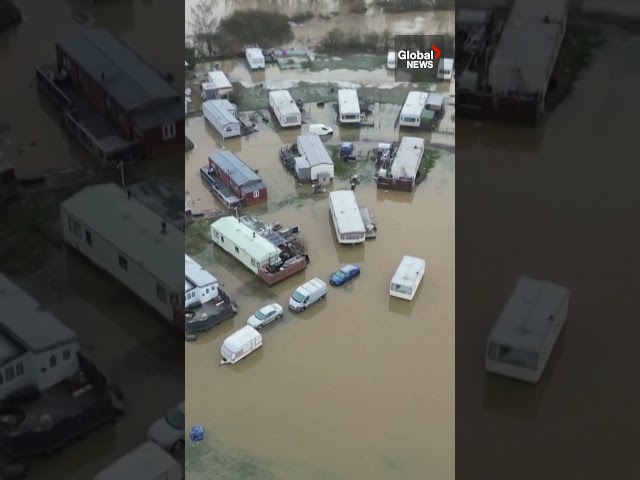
[143,105]
[238,176]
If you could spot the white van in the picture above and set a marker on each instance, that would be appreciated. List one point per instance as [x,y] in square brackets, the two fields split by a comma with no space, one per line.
[391,61]
[307,295]
[147,462]
[240,344]
[320,129]
[406,280]
[526,331]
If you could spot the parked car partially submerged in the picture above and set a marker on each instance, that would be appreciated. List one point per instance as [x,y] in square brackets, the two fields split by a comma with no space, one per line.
[344,275]
[265,316]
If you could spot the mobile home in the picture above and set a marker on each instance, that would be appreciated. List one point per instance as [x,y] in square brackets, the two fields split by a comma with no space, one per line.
[38,350]
[435,102]
[221,115]
[408,157]
[413,108]
[128,240]
[391,61]
[526,331]
[346,217]
[314,160]
[249,248]
[147,462]
[445,69]
[199,285]
[284,109]
[240,344]
[406,280]
[217,86]
[254,56]
[348,106]
[244,182]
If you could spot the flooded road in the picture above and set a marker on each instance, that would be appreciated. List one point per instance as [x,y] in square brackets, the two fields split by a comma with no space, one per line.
[556,203]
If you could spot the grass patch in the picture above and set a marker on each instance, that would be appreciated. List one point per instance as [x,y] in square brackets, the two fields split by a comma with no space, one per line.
[301,17]
[349,62]
[429,159]
[197,236]
[575,55]
[403,6]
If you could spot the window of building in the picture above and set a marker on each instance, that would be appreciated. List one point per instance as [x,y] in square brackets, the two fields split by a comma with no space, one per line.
[75,227]
[237,250]
[253,262]
[9,374]
[87,236]
[169,131]
[256,194]
[217,234]
[19,369]
[161,292]
[53,361]
[66,354]
[221,238]
[123,263]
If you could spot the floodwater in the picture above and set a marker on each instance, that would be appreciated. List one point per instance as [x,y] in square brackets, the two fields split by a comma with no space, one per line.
[558,203]
[359,386]
[122,337]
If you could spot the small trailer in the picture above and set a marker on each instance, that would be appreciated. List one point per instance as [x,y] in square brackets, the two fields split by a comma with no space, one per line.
[255,57]
[216,87]
[240,344]
[407,278]
[221,115]
[348,106]
[285,109]
[413,109]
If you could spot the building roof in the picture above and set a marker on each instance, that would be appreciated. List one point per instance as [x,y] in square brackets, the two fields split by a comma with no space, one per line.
[435,99]
[408,157]
[408,271]
[414,104]
[25,325]
[256,246]
[348,102]
[197,275]
[220,112]
[133,228]
[128,79]
[524,322]
[284,103]
[346,211]
[254,52]
[218,80]
[236,169]
[313,149]
[146,461]
[525,56]
[237,340]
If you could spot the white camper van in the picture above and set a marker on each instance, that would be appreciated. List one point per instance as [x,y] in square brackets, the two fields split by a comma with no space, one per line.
[445,69]
[406,280]
[147,462]
[391,61]
[254,56]
[240,344]
[307,294]
[526,331]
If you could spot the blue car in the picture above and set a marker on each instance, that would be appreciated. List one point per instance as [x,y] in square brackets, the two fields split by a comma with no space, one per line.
[345,274]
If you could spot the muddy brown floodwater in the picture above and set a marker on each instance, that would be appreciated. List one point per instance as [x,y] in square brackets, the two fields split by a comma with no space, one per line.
[359,386]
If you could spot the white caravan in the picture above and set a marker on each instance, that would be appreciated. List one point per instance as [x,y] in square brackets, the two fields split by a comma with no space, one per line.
[406,280]
[147,462]
[285,109]
[200,286]
[526,331]
[307,294]
[254,56]
[413,108]
[391,61]
[445,69]
[348,106]
[346,217]
[240,344]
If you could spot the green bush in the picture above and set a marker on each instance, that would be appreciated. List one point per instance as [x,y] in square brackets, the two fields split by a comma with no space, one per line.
[267,29]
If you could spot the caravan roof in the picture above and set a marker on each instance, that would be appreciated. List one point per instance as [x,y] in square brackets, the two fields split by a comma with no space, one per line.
[284,102]
[237,340]
[147,462]
[236,169]
[256,246]
[408,157]
[408,272]
[524,320]
[131,227]
[217,79]
[220,111]
[346,211]
[197,275]
[348,102]
[313,149]
[414,104]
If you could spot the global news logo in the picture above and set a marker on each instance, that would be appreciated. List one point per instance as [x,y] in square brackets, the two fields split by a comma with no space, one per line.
[420,60]
[419,57]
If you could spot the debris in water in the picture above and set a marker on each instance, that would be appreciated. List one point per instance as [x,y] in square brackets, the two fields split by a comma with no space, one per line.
[197,434]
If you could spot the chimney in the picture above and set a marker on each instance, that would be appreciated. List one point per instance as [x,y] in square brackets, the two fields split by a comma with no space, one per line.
[164,227]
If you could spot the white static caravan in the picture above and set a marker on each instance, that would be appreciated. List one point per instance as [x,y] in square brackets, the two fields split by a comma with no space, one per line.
[147,462]
[405,282]
[346,217]
[526,331]
[348,106]
[254,56]
[220,114]
[36,349]
[408,157]
[122,236]
[240,344]
[285,109]
[216,87]
[435,101]
[445,69]
[392,62]
[413,108]
[199,285]
[251,249]
[316,158]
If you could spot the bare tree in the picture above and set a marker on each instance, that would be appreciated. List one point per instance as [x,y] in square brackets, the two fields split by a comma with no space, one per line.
[203,24]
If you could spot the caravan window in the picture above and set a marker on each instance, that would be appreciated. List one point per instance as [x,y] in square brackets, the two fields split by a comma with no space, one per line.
[75,227]
[9,374]
[513,356]
[401,289]
[173,299]
[87,236]
[161,292]
[216,234]
[123,263]
[237,250]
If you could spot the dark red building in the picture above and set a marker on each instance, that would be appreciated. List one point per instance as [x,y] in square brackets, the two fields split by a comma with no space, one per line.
[238,176]
[143,105]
